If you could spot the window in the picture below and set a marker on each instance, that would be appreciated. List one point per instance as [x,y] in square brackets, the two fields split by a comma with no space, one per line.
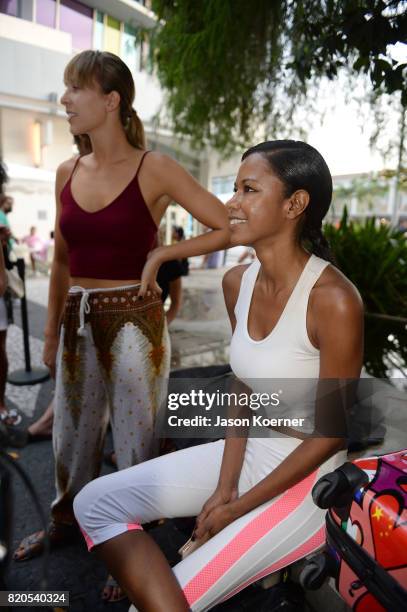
[98,31]
[45,12]
[77,19]
[10,7]
[223,185]
[112,40]
[130,49]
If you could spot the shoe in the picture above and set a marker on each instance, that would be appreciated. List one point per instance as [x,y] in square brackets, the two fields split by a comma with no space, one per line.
[10,415]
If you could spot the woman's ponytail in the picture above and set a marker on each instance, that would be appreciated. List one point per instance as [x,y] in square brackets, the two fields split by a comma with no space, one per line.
[134,130]
[83,144]
[313,238]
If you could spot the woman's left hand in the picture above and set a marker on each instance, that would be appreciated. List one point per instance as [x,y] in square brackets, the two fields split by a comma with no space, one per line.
[149,274]
[216,520]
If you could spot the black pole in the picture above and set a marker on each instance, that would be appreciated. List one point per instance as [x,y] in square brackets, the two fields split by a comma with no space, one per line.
[24,317]
[28,376]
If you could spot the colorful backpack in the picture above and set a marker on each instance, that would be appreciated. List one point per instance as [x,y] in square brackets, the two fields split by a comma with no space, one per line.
[366,529]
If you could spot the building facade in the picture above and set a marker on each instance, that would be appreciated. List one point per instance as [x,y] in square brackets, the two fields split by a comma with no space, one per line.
[37,39]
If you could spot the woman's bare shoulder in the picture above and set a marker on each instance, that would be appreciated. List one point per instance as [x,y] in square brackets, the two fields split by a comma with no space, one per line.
[233,277]
[65,168]
[335,294]
[231,287]
[160,162]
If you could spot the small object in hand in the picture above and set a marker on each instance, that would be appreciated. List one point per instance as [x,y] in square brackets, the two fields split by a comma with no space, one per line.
[191,545]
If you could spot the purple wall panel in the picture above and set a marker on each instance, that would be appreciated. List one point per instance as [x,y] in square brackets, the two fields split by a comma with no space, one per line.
[46,12]
[9,7]
[77,19]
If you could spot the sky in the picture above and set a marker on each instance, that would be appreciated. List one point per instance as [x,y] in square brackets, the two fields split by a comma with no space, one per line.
[344,141]
[343,136]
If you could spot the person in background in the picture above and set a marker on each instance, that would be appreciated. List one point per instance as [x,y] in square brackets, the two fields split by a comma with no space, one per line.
[212,261]
[3,177]
[169,278]
[177,236]
[41,429]
[50,243]
[7,416]
[3,274]
[6,207]
[36,246]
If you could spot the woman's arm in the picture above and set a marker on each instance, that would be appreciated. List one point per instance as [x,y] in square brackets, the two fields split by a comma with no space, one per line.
[59,281]
[177,184]
[234,450]
[235,447]
[338,330]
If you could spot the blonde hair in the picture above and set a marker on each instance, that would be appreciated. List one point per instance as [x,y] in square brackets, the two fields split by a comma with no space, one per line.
[111,74]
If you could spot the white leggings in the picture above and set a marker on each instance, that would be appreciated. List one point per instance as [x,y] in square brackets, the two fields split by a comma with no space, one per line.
[266,539]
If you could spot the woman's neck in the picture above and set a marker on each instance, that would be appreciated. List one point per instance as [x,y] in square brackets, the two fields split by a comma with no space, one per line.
[281,264]
[110,145]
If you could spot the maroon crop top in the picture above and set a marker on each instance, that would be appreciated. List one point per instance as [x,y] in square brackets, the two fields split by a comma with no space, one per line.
[111,243]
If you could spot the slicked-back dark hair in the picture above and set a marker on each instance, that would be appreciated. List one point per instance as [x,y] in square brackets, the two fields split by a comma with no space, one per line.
[300,166]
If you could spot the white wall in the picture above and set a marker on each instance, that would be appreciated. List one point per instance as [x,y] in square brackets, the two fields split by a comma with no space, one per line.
[30,198]
[218,168]
[16,128]
[23,31]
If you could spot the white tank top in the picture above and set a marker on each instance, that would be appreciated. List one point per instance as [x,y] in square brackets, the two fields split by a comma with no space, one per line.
[287,351]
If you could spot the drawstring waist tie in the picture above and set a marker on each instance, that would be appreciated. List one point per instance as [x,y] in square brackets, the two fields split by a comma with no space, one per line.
[84,307]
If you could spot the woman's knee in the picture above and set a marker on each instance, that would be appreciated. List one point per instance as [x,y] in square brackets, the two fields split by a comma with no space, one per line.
[84,502]
[80,505]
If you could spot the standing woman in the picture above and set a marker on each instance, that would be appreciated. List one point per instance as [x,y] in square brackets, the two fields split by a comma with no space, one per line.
[106,336]
[293,316]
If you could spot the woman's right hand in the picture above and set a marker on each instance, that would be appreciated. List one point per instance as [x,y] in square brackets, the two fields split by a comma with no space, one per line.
[221,496]
[50,353]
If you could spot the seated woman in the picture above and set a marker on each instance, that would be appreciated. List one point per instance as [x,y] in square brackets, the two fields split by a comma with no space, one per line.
[293,315]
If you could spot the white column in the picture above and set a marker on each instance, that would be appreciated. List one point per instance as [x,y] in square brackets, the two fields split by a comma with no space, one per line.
[393,202]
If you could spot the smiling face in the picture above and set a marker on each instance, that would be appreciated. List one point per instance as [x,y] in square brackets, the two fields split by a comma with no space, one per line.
[259,209]
[86,107]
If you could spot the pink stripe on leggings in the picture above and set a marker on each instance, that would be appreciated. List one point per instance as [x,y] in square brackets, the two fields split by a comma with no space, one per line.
[133,526]
[89,542]
[306,548]
[246,538]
